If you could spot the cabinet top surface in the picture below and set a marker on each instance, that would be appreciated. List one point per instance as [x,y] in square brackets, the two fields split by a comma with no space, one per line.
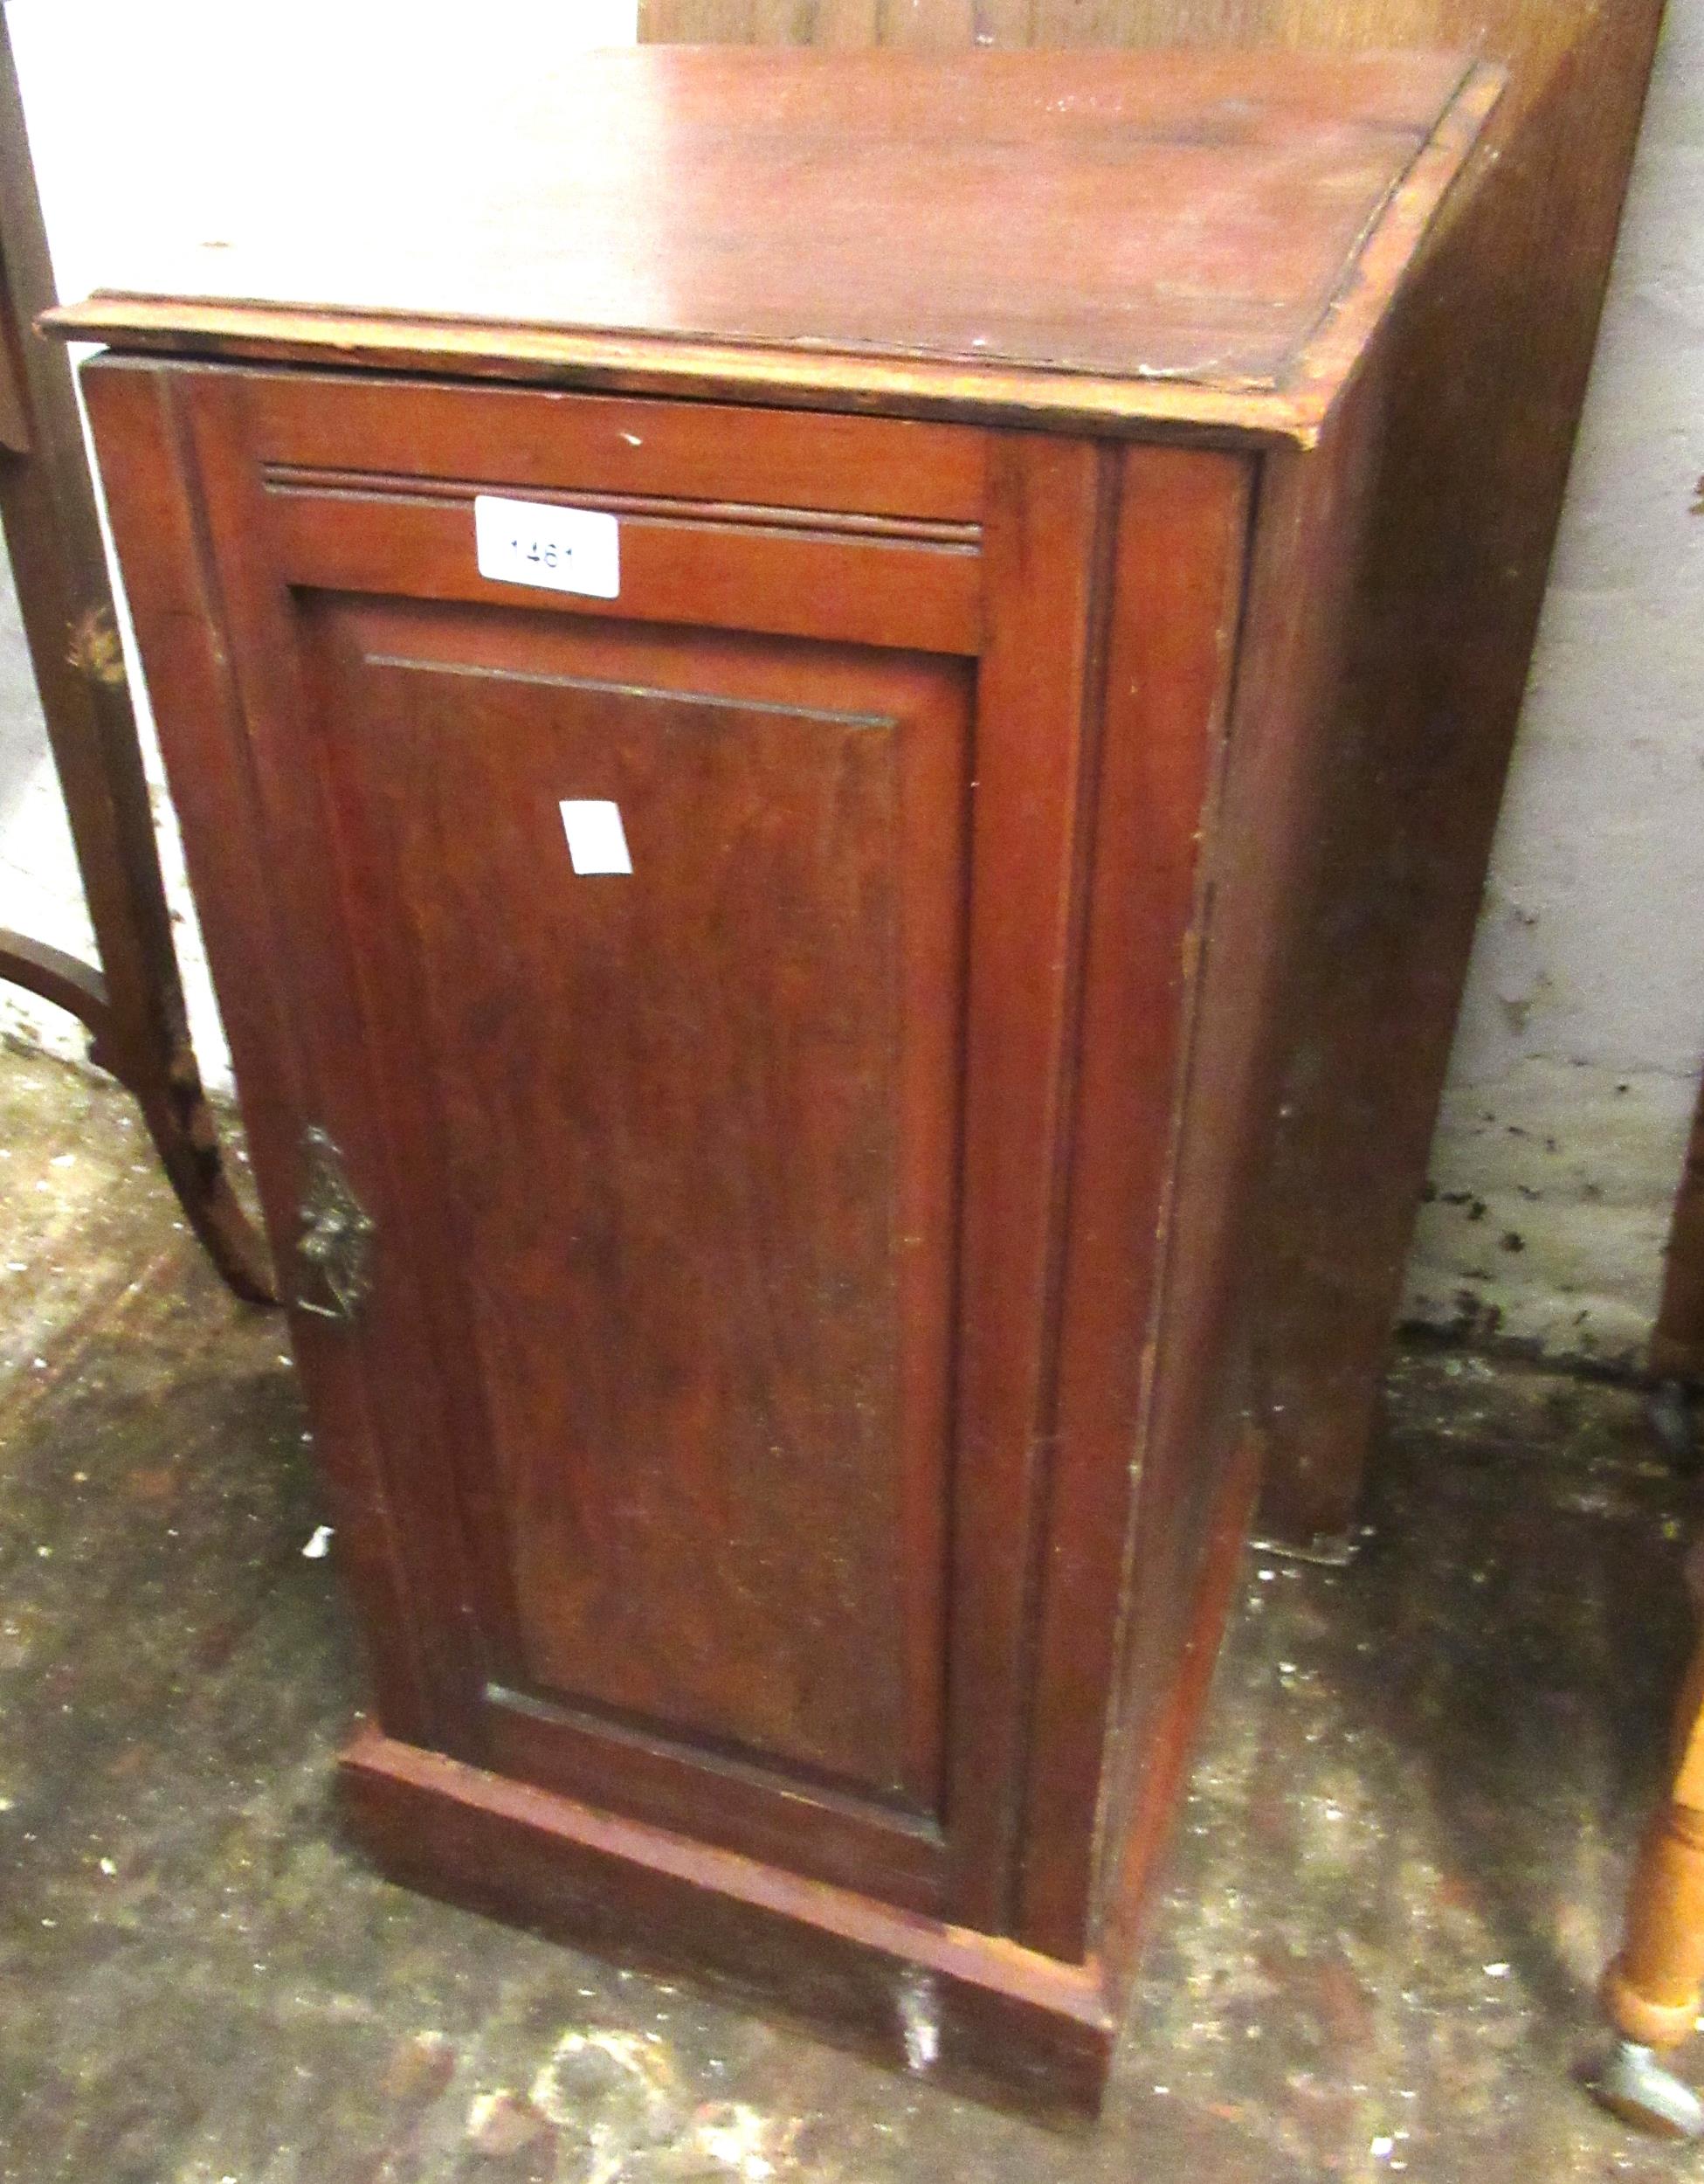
[1208,236]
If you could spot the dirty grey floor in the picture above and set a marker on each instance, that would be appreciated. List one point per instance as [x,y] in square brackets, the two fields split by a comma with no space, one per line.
[1396,1878]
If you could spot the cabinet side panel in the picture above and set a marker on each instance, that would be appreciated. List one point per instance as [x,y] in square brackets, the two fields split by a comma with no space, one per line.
[1489,347]
[1178,582]
[159,527]
[1199,1457]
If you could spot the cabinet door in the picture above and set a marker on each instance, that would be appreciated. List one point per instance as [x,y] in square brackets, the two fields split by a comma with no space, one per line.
[685,1426]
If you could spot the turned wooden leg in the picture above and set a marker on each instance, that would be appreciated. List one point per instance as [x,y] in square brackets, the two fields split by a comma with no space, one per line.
[186,1138]
[1652,1990]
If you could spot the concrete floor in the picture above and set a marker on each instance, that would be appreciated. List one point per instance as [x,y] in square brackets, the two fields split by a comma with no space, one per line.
[1396,1879]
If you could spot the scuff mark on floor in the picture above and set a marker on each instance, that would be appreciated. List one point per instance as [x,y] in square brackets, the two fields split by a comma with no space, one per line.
[622,2109]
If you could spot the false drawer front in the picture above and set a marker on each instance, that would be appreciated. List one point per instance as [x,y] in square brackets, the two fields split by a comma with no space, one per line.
[864,531]
[873,471]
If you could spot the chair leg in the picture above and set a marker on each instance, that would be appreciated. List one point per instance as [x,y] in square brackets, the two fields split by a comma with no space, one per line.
[187,1139]
[156,1066]
[133,1003]
[1651,1991]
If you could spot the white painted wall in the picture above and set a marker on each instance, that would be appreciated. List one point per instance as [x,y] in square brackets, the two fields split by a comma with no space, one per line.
[1552,1181]
[1578,1054]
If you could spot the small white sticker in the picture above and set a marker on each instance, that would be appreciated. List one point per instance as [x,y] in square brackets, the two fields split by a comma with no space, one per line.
[596,841]
[553,549]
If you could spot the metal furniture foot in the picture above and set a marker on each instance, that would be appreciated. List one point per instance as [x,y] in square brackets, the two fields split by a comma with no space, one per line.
[1639,2090]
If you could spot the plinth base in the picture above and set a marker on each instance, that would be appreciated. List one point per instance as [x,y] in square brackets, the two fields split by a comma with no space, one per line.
[935,1999]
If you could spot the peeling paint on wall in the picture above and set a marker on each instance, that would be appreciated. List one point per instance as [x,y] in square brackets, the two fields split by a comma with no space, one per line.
[1546,1219]
[1565,1120]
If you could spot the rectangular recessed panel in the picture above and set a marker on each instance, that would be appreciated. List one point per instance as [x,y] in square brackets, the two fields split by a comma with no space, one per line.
[705,1440]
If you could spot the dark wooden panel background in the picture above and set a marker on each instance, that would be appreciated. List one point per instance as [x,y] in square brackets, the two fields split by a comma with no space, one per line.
[1490,352]
[1677,1342]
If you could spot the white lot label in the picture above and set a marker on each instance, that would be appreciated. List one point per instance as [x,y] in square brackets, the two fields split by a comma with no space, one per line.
[558,550]
[596,841]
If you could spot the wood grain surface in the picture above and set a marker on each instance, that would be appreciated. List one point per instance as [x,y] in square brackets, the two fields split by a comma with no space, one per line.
[1207,236]
[708,1312]
[1488,357]
[798,1427]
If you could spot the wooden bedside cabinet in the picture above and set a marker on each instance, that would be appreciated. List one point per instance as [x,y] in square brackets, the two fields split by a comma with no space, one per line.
[745,706]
